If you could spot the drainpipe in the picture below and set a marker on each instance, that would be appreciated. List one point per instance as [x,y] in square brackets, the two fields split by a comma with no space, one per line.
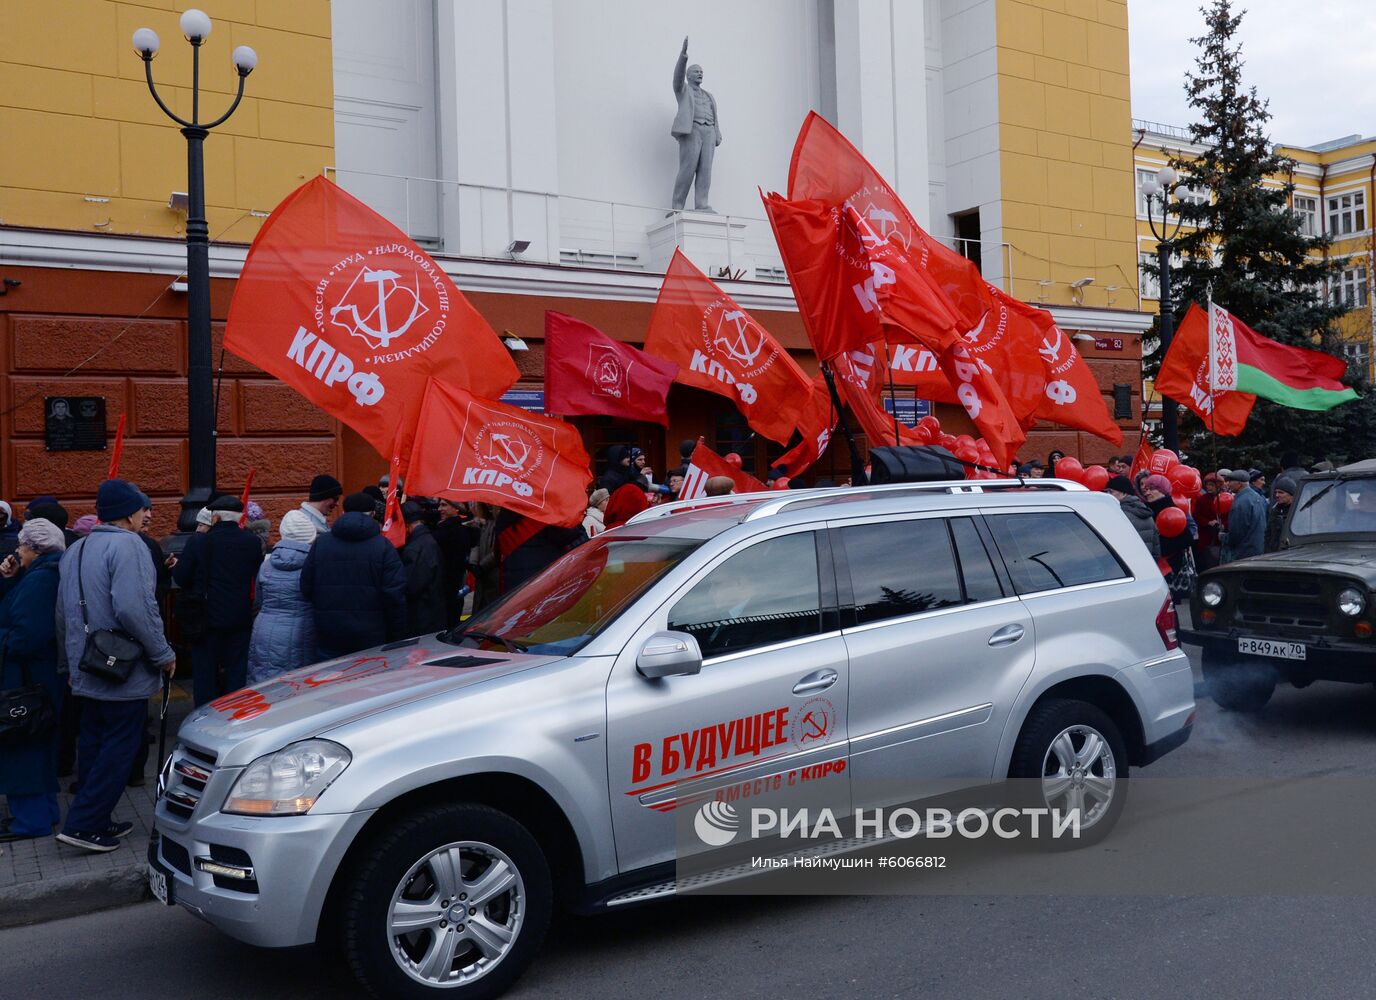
[1371,263]
[1141,134]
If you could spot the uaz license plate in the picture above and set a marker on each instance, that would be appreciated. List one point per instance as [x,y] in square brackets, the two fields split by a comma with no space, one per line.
[1269,647]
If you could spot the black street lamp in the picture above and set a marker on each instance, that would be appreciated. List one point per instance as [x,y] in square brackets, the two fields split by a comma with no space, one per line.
[1158,191]
[200,399]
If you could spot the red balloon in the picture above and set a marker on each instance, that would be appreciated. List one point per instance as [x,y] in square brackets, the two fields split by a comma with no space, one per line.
[947,441]
[1186,480]
[732,459]
[1096,477]
[781,483]
[1184,503]
[1069,468]
[924,435]
[1162,461]
[967,453]
[1224,502]
[1170,522]
[931,424]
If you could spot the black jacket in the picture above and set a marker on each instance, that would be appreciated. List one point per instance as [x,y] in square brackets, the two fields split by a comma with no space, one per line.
[537,552]
[618,474]
[425,606]
[232,557]
[456,539]
[1275,525]
[1142,519]
[356,583]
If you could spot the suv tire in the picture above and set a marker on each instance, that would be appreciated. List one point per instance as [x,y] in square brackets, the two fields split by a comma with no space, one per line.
[424,872]
[1070,755]
[1236,685]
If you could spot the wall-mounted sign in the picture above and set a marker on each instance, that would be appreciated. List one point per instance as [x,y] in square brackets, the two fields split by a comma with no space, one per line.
[1108,343]
[527,399]
[910,411]
[74,423]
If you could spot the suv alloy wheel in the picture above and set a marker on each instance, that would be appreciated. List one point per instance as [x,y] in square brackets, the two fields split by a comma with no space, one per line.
[452,901]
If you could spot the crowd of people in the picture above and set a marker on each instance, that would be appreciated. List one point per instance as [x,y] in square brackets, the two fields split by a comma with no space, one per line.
[245,610]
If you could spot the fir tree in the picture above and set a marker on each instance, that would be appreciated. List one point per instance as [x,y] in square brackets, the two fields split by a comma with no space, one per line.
[1247,244]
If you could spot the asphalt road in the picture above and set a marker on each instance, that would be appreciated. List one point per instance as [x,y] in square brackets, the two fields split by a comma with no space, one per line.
[879,946]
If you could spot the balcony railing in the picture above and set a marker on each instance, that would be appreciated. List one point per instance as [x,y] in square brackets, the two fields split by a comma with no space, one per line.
[1174,131]
[482,221]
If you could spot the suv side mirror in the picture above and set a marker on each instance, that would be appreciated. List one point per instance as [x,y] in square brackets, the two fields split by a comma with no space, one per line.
[666,654]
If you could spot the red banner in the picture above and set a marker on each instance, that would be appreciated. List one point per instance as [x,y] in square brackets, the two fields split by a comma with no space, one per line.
[719,347]
[588,373]
[1033,361]
[475,449]
[393,524]
[1184,377]
[248,489]
[706,464]
[116,452]
[338,303]
[860,378]
[815,425]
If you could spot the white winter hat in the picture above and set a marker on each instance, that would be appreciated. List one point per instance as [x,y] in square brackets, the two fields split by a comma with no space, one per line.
[205,516]
[42,536]
[298,526]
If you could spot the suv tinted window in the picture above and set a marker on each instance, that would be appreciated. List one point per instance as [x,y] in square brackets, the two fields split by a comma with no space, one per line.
[900,568]
[981,582]
[764,595]
[1052,549]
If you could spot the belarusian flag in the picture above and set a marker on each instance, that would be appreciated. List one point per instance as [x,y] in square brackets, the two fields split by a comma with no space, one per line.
[1218,365]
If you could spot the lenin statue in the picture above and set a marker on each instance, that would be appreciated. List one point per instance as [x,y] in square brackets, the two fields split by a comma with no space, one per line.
[697,132]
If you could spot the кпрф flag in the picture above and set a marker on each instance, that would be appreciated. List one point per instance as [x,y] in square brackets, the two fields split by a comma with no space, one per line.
[589,374]
[1217,366]
[338,303]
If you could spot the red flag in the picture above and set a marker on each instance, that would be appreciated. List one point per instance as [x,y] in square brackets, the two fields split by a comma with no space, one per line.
[1184,377]
[860,376]
[475,449]
[588,373]
[338,303]
[815,425]
[719,347]
[243,501]
[393,524]
[117,452]
[705,464]
[1141,462]
[1035,364]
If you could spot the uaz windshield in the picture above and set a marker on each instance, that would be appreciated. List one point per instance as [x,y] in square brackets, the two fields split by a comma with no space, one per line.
[559,610]
[1329,506]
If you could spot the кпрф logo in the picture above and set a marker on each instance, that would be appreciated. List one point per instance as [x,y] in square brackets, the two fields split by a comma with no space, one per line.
[377,307]
[716,823]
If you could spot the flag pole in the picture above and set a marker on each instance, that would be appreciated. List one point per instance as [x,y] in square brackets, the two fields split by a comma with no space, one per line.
[857,462]
[1213,376]
[893,397]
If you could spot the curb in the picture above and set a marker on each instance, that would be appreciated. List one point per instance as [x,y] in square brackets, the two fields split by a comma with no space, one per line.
[72,895]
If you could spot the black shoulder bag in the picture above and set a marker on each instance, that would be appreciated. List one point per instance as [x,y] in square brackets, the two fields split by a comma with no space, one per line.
[26,712]
[110,654]
[193,606]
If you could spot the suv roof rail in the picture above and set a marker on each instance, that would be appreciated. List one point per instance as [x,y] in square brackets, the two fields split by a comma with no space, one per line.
[773,503]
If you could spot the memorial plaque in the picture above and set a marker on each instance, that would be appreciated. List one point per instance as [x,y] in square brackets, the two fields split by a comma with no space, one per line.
[74,423]
[527,399]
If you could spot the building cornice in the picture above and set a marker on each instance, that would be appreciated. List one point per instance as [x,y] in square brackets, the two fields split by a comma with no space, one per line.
[96,252]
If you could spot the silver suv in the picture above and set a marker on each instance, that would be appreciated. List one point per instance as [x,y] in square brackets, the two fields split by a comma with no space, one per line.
[426,804]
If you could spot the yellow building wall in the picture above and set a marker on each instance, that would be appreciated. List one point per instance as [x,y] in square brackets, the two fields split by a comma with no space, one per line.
[84,147]
[1065,126]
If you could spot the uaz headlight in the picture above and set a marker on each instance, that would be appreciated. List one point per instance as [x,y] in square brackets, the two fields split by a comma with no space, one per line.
[288,782]
[1351,602]
[1211,594]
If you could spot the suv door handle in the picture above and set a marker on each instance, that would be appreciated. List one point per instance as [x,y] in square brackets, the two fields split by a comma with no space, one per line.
[1007,635]
[818,680]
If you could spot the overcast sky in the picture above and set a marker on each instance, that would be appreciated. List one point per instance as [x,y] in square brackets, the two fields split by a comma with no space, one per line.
[1314,61]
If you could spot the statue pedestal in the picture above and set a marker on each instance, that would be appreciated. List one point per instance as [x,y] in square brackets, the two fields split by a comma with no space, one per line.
[710,241]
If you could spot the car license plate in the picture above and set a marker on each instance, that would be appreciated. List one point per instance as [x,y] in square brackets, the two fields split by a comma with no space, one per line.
[1269,647]
[157,883]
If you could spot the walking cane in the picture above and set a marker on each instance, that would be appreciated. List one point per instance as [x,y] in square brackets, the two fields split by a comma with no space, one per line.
[162,721]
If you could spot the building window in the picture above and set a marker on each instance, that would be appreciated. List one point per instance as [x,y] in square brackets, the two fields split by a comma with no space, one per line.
[1348,290]
[1151,285]
[1347,213]
[1192,195]
[1308,210]
[1357,354]
[1142,177]
[968,238]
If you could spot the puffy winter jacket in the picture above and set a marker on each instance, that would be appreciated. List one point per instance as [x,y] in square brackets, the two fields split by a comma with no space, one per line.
[425,606]
[284,631]
[618,474]
[354,580]
[1140,516]
[222,563]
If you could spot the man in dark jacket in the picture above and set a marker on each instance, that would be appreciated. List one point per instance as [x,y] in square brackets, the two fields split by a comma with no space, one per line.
[1139,515]
[525,547]
[621,469]
[425,607]
[1246,534]
[456,537]
[1284,490]
[221,564]
[355,583]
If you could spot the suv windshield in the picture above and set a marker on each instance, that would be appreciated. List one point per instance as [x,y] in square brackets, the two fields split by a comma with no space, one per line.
[1335,506]
[560,610]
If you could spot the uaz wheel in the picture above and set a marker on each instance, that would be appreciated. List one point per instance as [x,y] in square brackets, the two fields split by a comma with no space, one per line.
[452,901]
[1070,758]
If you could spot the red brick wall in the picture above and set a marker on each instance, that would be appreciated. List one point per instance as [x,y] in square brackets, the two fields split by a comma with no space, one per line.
[133,332]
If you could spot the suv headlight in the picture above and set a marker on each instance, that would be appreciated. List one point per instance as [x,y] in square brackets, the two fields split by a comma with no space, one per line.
[288,782]
[1351,602]
[1211,594]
